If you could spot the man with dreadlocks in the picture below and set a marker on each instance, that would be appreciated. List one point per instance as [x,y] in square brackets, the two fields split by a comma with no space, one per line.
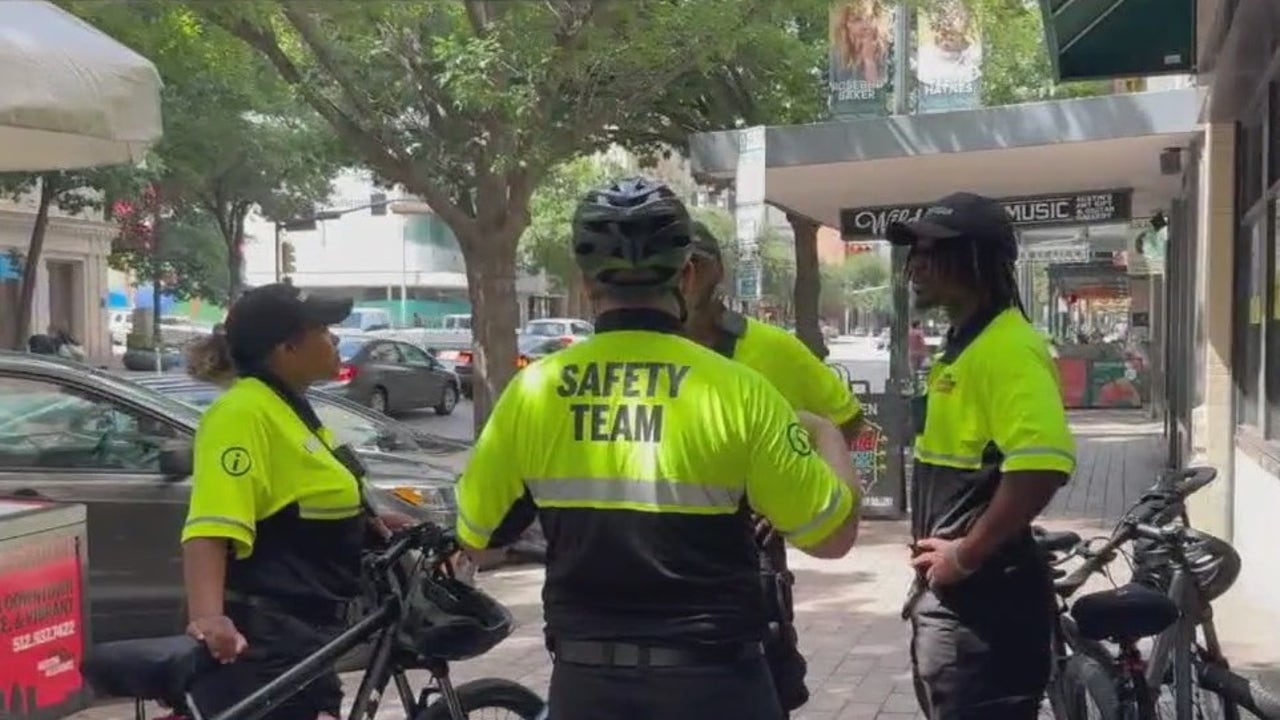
[992,448]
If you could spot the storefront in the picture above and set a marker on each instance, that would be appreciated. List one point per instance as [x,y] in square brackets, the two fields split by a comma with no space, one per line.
[71,284]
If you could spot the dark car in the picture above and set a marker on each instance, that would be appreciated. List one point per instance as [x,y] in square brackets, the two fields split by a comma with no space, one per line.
[528,349]
[392,376]
[69,433]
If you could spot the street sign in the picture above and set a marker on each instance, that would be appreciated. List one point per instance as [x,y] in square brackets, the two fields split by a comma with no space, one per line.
[1078,208]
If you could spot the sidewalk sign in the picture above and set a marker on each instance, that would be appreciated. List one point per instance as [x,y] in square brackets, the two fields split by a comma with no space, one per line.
[871,453]
[44,629]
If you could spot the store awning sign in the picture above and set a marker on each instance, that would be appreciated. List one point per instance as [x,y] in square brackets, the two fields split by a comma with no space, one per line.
[1098,206]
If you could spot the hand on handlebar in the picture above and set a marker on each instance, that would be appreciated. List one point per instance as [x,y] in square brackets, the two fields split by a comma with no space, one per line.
[220,635]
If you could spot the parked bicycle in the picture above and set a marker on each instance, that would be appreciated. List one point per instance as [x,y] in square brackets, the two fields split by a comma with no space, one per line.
[425,619]
[1178,572]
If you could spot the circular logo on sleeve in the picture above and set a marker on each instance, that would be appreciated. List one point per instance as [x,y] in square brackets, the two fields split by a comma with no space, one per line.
[236,461]
[798,438]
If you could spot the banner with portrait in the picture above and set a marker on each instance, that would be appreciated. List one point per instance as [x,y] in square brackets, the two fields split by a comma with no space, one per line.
[948,69]
[861,57]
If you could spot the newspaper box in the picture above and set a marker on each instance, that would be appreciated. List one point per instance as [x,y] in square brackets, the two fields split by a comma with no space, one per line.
[43,611]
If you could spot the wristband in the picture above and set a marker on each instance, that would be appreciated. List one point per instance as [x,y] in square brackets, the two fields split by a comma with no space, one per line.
[954,551]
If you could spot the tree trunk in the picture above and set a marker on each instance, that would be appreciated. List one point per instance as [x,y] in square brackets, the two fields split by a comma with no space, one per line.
[808,286]
[235,255]
[495,313]
[31,264]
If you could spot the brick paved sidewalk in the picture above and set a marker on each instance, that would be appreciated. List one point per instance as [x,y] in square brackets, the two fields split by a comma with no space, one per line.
[848,610]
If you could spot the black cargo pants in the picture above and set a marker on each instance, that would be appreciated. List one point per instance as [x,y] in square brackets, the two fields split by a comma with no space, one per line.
[737,691]
[982,649]
[278,641]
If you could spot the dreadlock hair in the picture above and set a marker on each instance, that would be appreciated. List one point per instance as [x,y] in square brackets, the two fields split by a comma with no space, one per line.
[993,273]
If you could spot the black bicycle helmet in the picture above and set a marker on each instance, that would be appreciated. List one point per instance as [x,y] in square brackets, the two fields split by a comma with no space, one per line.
[634,233]
[446,619]
[1212,561]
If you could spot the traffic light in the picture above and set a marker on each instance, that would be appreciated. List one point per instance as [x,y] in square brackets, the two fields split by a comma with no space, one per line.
[287,258]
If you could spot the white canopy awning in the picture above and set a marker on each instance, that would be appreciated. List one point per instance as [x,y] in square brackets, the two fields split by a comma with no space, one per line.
[70,96]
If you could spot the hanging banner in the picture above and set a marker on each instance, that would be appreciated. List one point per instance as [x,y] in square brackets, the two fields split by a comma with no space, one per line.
[861,57]
[950,58]
[1095,206]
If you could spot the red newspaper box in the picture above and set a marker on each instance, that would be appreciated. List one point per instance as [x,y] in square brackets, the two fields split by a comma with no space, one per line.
[43,612]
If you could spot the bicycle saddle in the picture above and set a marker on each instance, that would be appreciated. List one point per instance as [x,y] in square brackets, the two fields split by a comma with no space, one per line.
[1053,541]
[1128,613]
[161,668]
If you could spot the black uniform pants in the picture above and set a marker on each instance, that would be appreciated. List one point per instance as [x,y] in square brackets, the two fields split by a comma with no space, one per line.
[277,642]
[737,691]
[981,649]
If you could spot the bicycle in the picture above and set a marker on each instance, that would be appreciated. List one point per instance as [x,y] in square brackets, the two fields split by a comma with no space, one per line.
[1179,572]
[425,619]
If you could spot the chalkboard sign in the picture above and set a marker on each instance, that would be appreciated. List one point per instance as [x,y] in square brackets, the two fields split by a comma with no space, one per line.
[874,453]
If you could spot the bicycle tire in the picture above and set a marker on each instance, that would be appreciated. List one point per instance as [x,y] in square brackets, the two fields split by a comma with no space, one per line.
[1245,693]
[1084,679]
[486,694]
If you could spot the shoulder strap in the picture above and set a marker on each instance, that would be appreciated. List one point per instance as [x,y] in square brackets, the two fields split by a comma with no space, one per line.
[732,327]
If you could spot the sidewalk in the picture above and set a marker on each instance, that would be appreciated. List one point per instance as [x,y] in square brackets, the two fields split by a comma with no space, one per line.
[847,611]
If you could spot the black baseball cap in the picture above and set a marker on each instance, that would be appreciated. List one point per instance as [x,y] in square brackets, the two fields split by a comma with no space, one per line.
[269,315]
[704,242]
[979,219]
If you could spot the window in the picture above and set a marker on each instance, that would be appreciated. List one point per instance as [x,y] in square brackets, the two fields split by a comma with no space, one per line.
[45,426]
[414,355]
[581,328]
[384,353]
[1251,276]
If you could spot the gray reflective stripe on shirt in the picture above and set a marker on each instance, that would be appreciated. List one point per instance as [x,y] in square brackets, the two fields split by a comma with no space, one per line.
[926,455]
[221,520]
[476,529]
[1057,452]
[653,493]
[329,512]
[828,510]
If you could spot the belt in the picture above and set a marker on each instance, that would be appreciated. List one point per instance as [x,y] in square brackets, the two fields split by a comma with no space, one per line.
[315,609]
[610,654]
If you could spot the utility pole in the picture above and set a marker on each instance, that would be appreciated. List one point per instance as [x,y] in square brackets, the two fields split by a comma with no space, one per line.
[901,382]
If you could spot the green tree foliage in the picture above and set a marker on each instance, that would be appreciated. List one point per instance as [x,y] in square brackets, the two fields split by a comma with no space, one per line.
[72,192]
[470,104]
[181,253]
[545,244]
[234,137]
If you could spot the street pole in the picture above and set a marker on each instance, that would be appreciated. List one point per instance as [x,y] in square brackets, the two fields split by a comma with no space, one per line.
[900,380]
[404,282]
[279,228]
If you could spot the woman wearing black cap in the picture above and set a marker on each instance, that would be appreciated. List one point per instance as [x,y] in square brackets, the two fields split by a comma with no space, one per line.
[272,541]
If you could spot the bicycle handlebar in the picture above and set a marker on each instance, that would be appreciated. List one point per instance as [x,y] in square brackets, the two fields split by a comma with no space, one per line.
[1172,488]
[426,535]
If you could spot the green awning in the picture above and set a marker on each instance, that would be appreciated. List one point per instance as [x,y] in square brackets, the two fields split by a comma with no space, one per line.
[1105,39]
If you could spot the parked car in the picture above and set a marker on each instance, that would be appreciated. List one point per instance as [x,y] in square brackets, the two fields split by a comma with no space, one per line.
[392,376]
[69,433]
[557,327]
[528,349]
[365,319]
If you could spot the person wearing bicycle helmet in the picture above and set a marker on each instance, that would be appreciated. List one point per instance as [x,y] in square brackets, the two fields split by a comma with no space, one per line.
[992,448]
[272,543]
[643,453]
[808,385]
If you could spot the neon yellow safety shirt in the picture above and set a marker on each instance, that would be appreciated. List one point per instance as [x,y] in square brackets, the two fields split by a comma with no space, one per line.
[804,380]
[993,405]
[271,487]
[643,453]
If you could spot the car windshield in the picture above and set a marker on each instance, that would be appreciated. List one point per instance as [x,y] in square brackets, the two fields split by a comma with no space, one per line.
[348,347]
[532,343]
[546,329]
[349,426]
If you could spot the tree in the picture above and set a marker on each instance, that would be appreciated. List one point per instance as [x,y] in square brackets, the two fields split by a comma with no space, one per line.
[545,244]
[469,105]
[234,138]
[181,252]
[72,192]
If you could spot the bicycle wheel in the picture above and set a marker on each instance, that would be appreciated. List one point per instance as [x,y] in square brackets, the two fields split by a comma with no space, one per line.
[489,698]
[1250,697]
[1085,690]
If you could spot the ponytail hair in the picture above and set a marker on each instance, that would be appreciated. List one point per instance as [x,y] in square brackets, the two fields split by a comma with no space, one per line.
[209,359]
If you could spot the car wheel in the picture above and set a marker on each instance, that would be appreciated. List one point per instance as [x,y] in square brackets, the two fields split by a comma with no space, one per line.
[378,400]
[448,400]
